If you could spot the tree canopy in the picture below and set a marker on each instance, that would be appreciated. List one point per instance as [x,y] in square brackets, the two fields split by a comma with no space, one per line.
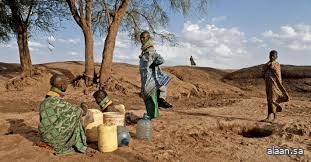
[152,15]
[21,18]
[35,15]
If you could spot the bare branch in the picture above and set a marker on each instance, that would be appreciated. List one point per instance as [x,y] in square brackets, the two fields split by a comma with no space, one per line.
[106,9]
[147,20]
[74,11]
[133,19]
[122,9]
[88,13]
[140,13]
[29,13]
[116,5]
[81,9]
[17,17]
[158,10]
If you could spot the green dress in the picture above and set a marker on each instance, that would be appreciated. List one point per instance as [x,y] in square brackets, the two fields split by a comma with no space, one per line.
[61,126]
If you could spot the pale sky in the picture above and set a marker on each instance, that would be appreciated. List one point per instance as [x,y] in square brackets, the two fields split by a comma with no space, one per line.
[234,34]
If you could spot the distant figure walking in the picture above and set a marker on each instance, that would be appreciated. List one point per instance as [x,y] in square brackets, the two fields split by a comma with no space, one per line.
[275,91]
[192,61]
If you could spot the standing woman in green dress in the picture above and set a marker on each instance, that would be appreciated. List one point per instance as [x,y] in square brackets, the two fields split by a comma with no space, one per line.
[153,80]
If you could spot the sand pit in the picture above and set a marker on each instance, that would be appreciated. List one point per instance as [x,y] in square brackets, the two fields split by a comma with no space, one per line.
[257,133]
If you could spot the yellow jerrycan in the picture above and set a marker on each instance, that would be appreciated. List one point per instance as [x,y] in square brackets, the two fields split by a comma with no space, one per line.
[107,138]
[91,128]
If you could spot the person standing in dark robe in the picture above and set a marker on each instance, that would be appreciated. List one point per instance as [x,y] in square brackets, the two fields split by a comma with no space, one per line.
[275,90]
[192,61]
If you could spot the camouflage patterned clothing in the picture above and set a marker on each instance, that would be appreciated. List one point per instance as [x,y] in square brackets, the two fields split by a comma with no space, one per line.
[275,91]
[61,126]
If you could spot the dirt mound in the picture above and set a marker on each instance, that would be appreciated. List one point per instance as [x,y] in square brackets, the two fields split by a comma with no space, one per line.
[215,73]
[125,79]
[199,81]
[9,68]
[288,71]
[39,75]
[290,130]
[185,81]
[295,78]
[188,74]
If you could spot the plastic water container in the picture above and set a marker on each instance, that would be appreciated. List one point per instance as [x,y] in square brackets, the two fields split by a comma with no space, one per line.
[144,128]
[123,136]
[91,128]
[116,118]
[107,138]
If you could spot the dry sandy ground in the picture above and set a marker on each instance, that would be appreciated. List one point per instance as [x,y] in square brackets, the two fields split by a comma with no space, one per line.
[213,119]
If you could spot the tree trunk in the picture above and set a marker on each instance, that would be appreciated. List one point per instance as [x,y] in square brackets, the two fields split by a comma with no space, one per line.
[85,23]
[89,58]
[22,40]
[25,60]
[110,41]
[105,69]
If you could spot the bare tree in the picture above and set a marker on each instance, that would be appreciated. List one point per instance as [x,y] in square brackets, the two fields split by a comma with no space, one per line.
[107,17]
[19,17]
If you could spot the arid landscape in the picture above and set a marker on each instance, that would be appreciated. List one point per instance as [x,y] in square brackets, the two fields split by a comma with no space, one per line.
[215,117]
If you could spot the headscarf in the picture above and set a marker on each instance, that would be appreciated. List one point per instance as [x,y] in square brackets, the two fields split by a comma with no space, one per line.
[145,46]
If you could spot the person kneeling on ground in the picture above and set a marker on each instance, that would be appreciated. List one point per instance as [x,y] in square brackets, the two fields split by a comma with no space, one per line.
[105,103]
[61,122]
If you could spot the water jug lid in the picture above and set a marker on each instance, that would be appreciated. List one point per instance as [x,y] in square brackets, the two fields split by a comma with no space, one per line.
[146,117]
[125,141]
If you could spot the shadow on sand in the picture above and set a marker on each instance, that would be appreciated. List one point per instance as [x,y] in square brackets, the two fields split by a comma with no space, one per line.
[18,126]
